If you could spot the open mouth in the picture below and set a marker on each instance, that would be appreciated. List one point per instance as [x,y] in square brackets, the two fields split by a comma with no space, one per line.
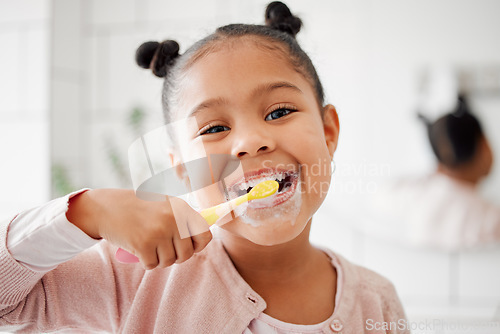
[287,181]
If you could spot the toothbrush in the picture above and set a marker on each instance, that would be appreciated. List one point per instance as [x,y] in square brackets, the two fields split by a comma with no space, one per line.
[261,190]
[212,215]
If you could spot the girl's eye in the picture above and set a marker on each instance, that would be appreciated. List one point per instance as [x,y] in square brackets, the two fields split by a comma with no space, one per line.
[278,113]
[214,129]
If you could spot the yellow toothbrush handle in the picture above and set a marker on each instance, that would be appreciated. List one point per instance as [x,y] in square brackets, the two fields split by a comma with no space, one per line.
[210,215]
[214,213]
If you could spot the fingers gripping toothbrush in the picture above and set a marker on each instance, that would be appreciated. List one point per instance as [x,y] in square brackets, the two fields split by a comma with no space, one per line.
[213,214]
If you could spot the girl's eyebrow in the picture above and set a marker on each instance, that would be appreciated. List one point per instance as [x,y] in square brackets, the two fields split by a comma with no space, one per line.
[260,89]
[208,104]
[268,87]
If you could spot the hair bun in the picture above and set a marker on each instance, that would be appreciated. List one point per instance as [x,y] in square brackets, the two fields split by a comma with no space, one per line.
[157,56]
[279,17]
[145,53]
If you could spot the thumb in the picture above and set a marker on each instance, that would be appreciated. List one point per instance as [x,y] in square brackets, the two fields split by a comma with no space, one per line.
[200,241]
[199,231]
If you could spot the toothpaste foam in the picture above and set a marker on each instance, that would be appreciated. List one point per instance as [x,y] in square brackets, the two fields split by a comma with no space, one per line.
[288,210]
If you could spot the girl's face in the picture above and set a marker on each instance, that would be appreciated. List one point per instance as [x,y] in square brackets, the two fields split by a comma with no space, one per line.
[250,103]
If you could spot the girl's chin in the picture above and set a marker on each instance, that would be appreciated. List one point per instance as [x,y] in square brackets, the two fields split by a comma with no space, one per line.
[270,222]
[267,233]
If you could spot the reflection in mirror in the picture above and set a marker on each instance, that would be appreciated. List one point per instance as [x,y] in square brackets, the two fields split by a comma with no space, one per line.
[444,208]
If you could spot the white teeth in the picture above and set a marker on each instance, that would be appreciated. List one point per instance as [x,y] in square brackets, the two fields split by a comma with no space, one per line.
[263,177]
[254,182]
[251,183]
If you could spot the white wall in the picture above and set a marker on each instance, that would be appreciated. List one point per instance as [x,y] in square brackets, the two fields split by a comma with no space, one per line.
[24,117]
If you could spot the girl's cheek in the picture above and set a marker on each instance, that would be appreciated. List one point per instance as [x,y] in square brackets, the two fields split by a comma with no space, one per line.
[208,197]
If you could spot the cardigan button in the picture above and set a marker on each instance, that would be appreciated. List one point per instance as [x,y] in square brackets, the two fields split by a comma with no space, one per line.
[251,298]
[336,325]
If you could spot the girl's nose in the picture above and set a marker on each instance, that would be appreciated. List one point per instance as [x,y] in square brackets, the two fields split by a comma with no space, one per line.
[251,142]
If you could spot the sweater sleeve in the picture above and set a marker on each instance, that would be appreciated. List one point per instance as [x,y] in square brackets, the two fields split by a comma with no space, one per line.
[89,292]
[41,238]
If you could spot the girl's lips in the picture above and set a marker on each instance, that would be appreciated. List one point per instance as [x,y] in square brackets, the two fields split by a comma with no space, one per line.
[287,179]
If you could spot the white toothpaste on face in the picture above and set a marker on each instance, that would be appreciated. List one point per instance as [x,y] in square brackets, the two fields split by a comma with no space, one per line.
[287,210]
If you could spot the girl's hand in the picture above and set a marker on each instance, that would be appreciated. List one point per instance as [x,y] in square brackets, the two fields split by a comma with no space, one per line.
[158,233]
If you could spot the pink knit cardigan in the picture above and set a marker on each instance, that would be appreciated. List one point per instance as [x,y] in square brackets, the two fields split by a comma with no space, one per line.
[93,292]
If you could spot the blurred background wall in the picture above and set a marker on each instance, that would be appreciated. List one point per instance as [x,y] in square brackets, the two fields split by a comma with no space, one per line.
[73,100]
[24,109]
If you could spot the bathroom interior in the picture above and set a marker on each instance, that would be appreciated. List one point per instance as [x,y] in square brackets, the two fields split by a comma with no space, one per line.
[73,101]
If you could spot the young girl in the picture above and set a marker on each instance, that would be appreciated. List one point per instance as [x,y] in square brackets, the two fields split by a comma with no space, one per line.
[256,96]
[444,209]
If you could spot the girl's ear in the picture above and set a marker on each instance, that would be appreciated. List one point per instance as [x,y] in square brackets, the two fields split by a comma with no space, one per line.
[331,128]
